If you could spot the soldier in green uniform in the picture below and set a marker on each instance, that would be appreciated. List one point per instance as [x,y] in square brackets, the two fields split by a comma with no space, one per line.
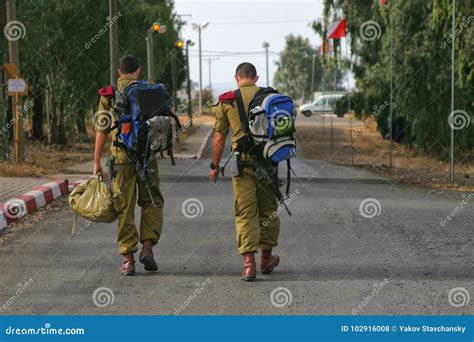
[254,201]
[127,183]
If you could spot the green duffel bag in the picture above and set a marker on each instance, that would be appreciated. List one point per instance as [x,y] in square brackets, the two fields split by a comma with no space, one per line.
[93,200]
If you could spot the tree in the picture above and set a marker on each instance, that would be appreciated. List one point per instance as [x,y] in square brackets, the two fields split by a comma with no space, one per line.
[294,69]
[65,56]
[421,66]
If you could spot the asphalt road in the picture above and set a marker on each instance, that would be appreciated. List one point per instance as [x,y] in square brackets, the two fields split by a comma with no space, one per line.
[336,258]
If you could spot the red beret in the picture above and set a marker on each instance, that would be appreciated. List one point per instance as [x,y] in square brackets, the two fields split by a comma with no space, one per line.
[107,91]
[227,97]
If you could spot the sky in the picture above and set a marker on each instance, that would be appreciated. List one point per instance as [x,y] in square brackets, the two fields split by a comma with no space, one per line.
[242,27]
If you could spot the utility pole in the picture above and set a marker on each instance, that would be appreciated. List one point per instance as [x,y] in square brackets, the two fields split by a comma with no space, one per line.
[113,41]
[15,59]
[3,108]
[199,28]
[188,82]
[210,59]
[266,45]
[312,77]
[451,173]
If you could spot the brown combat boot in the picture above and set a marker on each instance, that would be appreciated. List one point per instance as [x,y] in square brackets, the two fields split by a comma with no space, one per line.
[269,261]
[250,268]
[128,265]
[146,257]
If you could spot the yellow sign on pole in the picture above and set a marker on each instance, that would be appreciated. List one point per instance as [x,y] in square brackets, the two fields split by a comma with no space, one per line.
[11,71]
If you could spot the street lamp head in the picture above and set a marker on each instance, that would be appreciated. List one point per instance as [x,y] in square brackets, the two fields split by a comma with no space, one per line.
[204,24]
[195,26]
[266,44]
[189,42]
[155,27]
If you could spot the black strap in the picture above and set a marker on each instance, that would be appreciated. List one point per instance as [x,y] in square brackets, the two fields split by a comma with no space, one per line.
[244,122]
[288,176]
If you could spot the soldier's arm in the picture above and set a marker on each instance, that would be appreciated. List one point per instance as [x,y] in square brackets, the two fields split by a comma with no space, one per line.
[221,128]
[102,126]
[100,139]
[218,145]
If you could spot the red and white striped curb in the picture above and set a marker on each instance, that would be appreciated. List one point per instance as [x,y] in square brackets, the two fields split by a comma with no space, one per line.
[19,206]
[77,182]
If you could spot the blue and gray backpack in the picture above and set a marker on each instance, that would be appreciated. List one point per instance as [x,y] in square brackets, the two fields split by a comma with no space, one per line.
[269,128]
[144,125]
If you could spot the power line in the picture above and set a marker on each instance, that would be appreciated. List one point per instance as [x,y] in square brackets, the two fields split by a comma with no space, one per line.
[265,22]
[210,53]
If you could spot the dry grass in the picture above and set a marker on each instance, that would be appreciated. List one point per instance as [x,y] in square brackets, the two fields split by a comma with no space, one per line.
[42,159]
[373,152]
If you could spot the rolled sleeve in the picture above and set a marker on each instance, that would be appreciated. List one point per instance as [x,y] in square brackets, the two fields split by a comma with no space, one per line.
[222,123]
[103,118]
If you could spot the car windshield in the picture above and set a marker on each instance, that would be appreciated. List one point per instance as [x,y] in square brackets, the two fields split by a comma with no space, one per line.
[319,102]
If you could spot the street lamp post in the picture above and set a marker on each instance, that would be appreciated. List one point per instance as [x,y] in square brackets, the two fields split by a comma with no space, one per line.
[312,77]
[266,45]
[188,82]
[199,28]
[156,27]
[113,37]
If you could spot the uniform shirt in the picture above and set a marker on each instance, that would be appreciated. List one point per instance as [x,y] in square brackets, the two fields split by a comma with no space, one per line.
[227,114]
[104,121]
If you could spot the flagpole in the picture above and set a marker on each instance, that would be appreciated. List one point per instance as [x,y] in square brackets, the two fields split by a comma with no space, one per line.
[391,83]
[335,89]
[324,72]
[452,93]
[349,69]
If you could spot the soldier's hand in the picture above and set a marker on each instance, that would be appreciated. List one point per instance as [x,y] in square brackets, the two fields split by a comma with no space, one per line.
[213,174]
[97,169]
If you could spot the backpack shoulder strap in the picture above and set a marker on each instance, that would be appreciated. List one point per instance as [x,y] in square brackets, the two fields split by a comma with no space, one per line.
[244,122]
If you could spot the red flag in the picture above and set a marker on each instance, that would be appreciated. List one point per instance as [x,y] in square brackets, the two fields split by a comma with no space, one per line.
[337,30]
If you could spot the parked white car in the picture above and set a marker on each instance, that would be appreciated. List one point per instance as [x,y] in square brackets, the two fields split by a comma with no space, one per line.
[323,105]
